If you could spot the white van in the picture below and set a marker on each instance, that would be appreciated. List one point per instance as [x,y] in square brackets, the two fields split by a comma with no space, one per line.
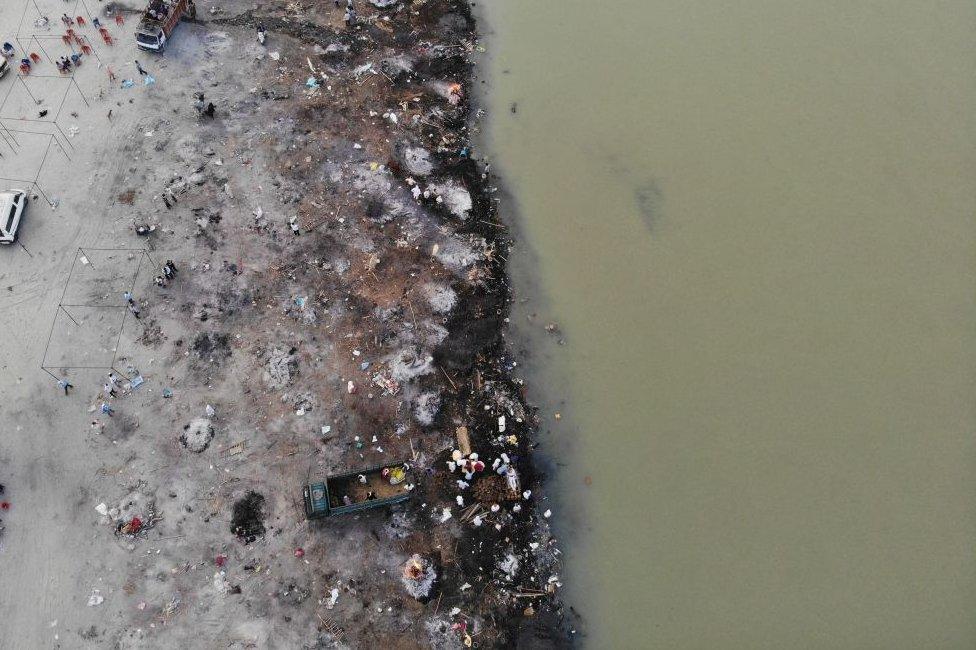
[12,204]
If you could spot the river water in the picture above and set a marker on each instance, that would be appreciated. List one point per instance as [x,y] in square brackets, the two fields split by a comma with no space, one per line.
[754,225]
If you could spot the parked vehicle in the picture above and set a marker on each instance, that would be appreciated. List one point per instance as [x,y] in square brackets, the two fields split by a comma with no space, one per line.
[158,22]
[375,487]
[12,205]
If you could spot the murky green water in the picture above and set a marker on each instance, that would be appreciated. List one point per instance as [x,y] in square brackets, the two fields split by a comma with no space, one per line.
[754,222]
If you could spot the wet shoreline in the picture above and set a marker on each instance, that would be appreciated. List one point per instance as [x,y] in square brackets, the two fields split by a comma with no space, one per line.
[727,231]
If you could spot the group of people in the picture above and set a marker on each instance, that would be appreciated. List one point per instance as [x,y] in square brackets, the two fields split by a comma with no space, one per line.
[65,64]
[158,9]
[169,272]
[108,392]
[204,107]
[110,388]
[131,304]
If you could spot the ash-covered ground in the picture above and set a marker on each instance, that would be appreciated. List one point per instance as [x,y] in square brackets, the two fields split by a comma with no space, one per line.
[339,303]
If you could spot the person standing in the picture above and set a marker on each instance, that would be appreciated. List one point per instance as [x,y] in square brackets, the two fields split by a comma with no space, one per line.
[134,308]
[140,69]
[107,410]
[64,384]
[109,391]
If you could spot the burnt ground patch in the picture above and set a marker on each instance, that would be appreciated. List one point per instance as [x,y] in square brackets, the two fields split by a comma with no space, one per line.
[247,522]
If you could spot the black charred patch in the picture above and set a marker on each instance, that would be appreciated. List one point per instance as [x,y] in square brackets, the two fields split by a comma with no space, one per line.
[212,346]
[247,521]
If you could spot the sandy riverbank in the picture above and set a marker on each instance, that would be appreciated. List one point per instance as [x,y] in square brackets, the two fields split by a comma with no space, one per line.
[372,335]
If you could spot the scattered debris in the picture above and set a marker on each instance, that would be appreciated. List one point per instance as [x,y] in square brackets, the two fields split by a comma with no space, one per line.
[340,300]
[333,599]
